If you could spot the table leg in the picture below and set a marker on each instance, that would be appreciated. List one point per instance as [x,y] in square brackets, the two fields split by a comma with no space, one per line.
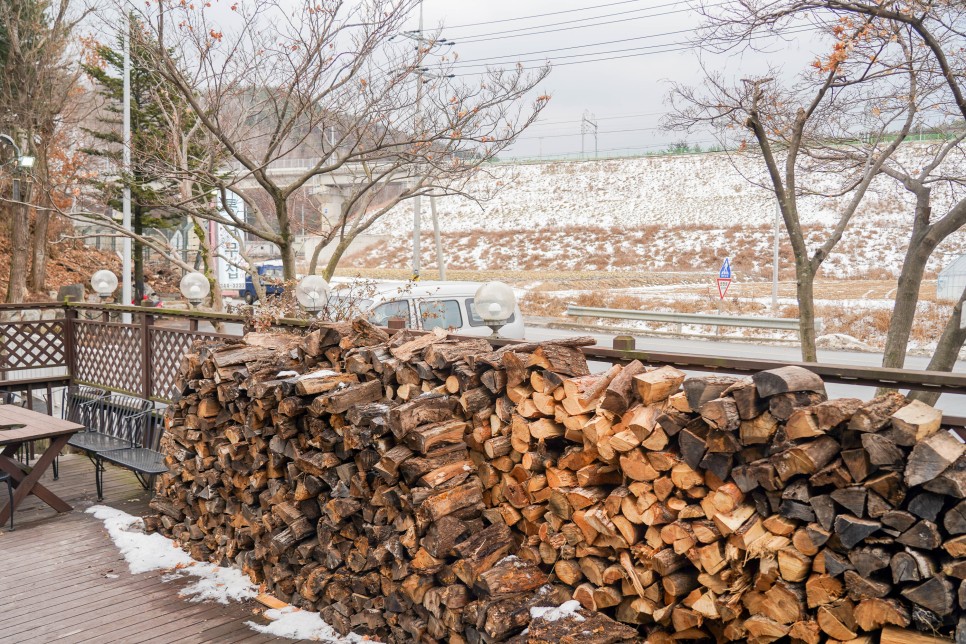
[28,484]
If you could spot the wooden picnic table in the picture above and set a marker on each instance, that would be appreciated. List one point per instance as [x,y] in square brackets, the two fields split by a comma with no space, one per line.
[34,426]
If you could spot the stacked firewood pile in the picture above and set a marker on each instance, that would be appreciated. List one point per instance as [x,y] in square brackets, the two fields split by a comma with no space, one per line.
[420,488]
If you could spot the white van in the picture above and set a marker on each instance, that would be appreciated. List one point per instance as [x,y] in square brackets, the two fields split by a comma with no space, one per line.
[425,305]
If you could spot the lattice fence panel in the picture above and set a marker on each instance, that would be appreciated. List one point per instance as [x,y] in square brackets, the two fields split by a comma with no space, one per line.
[168,346]
[108,355]
[32,345]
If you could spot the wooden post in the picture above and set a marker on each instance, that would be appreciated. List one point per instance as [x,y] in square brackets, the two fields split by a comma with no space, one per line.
[193,324]
[70,336]
[624,343]
[146,361]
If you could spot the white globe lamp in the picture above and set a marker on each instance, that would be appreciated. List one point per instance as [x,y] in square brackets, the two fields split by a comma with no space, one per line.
[104,283]
[495,303]
[195,288]
[312,292]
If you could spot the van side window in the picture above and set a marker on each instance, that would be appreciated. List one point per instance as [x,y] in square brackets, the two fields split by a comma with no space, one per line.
[440,314]
[476,320]
[396,309]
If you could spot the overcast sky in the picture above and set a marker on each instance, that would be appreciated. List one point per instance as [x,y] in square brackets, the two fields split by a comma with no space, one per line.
[626,93]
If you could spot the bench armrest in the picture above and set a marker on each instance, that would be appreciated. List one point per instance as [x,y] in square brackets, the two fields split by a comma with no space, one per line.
[138,426]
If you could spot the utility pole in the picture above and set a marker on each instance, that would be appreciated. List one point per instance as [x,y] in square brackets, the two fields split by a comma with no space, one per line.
[126,138]
[439,246]
[421,75]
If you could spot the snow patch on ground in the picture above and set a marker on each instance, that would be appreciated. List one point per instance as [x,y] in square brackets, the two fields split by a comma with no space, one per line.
[841,342]
[147,552]
[302,625]
[143,552]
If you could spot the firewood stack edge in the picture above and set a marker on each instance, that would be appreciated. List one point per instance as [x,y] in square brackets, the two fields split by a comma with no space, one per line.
[427,488]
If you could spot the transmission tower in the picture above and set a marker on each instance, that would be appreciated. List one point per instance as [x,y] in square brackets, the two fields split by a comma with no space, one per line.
[588,125]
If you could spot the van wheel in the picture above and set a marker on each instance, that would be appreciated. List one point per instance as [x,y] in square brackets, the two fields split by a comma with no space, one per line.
[249,298]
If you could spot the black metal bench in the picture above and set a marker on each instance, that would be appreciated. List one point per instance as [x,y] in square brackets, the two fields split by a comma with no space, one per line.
[144,459]
[114,422]
[79,405]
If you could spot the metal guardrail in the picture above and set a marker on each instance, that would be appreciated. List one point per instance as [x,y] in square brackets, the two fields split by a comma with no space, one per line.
[749,321]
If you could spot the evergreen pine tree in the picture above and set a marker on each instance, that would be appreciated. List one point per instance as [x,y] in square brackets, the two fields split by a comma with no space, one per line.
[150,188]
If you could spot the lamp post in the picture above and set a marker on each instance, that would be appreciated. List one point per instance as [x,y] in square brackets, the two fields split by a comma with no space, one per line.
[494,303]
[126,160]
[194,287]
[104,283]
[312,293]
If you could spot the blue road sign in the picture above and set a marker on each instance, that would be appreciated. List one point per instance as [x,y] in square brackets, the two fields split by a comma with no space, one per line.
[725,272]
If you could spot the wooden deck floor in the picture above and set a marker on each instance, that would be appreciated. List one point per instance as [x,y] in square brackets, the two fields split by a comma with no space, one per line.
[63,580]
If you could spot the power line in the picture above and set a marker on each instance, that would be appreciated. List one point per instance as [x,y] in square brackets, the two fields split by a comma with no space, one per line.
[673,47]
[592,53]
[599,118]
[598,44]
[552,13]
[593,60]
[562,135]
[528,31]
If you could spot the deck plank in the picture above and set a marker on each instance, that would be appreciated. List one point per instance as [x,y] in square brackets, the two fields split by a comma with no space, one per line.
[55,585]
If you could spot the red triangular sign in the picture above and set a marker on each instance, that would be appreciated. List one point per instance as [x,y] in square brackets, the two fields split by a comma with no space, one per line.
[723,284]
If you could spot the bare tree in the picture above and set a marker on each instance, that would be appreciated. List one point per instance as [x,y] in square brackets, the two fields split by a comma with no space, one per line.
[936,34]
[328,97]
[36,81]
[794,126]
[926,169]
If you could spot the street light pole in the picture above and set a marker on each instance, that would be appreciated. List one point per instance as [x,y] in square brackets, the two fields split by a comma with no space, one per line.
[126,138]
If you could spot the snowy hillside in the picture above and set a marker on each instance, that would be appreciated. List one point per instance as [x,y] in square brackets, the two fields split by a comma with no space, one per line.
[672,213]
[667,192]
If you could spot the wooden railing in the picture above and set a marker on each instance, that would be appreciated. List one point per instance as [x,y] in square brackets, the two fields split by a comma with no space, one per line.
[57,344]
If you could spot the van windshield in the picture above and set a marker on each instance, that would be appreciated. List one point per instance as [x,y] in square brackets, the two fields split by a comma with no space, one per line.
[386,311]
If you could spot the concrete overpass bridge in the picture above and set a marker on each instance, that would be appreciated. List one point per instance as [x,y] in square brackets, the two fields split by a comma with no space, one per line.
[325,192]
